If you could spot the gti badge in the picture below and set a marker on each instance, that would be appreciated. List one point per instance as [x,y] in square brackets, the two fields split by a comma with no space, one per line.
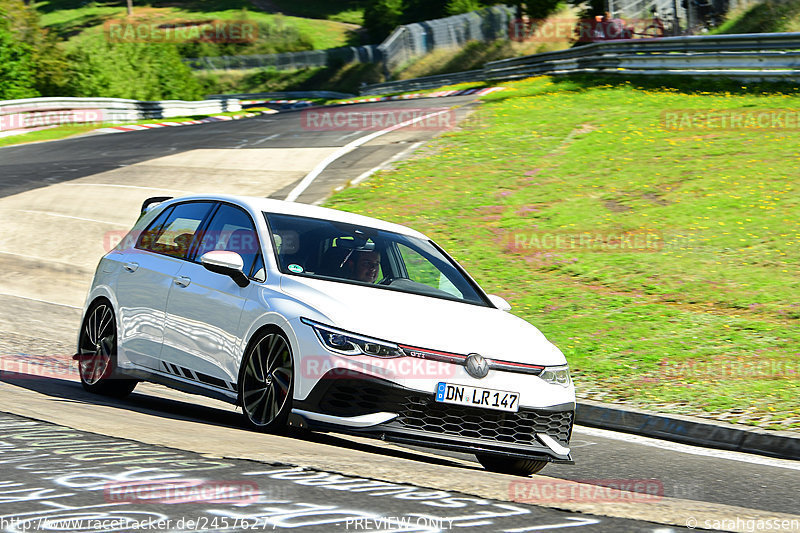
[477,366]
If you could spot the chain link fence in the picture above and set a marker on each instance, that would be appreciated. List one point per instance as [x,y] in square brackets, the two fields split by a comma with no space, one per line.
[403,45]
[290,60]
[413,40]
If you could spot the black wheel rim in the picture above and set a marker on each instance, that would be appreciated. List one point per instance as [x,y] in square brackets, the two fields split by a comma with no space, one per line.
[267,379]
[97,346]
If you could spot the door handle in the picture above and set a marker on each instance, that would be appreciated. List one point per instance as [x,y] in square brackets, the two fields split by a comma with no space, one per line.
[131,267]
[183,281]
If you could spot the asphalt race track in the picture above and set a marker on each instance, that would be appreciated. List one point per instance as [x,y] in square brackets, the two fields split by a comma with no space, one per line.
[64,453]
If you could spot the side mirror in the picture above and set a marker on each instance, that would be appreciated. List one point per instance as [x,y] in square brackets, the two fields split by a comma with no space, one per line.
[226,263]
[499,302]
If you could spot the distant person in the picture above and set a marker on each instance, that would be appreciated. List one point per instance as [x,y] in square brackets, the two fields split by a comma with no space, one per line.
[614,28]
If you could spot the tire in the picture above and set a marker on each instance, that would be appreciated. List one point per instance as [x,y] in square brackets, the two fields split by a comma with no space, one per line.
[508,465]
[267,382]
[97,353]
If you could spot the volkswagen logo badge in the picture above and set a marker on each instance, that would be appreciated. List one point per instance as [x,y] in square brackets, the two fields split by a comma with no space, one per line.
[477,366]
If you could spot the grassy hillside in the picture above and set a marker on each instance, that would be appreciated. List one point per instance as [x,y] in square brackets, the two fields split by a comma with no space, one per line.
[702,315]
[76,20]
[348,11]
[763,17]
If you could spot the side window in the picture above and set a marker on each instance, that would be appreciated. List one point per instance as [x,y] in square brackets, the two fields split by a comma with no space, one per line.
[172,233]
[148,237]
[258,272]
[423,271]
[232,229]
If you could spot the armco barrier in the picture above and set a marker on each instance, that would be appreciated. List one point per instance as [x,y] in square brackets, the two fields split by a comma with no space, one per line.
[753,57]
[41,112]
[281,95]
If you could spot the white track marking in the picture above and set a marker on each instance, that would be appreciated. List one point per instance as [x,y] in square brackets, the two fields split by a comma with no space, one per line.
[575,522]
[391,160]
[39,300]
[375,169]
[349,147]
[267,138]
[688,448]
[51,214]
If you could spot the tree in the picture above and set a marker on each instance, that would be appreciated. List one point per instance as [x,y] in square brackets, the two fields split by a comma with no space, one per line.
[48,64]
[381,17]
[457,7]
[16,65]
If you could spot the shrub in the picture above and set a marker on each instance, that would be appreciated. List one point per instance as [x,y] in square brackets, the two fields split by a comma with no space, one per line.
[141,71]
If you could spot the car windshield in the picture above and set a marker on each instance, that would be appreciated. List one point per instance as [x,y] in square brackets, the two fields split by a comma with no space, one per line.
[362,255]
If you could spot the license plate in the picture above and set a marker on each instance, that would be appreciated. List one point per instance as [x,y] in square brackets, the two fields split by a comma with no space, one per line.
[477,397]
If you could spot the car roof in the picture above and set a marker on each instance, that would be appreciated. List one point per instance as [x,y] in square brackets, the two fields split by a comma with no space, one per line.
[269,205]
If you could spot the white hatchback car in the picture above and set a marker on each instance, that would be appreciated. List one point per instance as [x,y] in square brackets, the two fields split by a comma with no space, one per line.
[321,319]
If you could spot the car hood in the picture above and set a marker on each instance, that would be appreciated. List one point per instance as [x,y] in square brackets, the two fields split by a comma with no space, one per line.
[423,321]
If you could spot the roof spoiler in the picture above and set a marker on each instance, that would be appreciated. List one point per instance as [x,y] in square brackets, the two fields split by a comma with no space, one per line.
[154,200]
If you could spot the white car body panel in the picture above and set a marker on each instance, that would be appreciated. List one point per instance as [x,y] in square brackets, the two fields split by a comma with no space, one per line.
[143,297]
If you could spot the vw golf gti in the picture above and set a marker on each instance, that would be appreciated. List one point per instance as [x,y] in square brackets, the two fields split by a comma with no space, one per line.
[321,319]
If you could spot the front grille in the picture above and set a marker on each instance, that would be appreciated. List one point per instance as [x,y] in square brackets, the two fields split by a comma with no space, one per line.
[427,415]
[348,396]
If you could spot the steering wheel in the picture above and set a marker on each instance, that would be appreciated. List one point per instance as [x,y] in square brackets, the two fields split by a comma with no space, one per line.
[387,280]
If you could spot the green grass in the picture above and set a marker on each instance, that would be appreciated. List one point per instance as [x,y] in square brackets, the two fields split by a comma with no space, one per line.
[75,20]
[348,11]
[763,17]
[705,320]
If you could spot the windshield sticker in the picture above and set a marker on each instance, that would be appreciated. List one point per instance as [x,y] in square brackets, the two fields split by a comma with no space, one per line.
[297,269]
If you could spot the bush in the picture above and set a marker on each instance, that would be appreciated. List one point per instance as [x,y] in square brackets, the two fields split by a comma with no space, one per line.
[457,7]
[31,49]
[140,71]
[381,17]
[16,64]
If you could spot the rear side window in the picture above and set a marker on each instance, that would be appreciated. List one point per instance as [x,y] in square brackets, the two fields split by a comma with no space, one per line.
[172,232]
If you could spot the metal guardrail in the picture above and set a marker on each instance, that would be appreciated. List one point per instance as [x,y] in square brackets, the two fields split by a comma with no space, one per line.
[42,112]
[285,95]
[755,57]
[426,82]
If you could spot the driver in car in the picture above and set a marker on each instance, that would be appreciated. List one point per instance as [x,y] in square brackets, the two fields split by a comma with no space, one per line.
[365,266]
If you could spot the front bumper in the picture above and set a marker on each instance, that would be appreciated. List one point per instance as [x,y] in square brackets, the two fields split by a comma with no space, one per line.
[361,404]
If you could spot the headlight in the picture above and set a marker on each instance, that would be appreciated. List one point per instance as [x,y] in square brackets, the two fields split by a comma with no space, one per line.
[346,343]
[557,375]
